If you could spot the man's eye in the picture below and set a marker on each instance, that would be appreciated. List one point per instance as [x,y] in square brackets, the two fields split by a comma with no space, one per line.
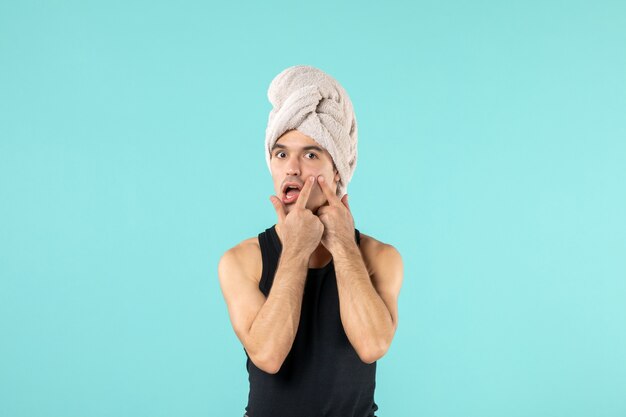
[278,153]
[311,153]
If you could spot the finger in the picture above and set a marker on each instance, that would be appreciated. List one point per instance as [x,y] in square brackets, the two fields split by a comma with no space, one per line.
[305,192]
[321,209]
[279,207]
[332,198]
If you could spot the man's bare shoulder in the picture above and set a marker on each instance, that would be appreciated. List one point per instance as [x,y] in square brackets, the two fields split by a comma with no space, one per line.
[370,243]
[247,256]
[377,254]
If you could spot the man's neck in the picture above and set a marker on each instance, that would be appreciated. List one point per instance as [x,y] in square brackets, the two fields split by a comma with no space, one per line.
[320,257]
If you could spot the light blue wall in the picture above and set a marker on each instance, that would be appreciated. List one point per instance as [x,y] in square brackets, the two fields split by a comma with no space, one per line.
[492,155]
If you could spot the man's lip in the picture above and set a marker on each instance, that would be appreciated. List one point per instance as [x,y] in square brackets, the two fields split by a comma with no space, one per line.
[288,201]
[293,184]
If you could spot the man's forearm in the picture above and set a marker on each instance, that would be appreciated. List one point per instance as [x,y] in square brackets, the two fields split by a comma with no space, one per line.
[364,315]
[274,329]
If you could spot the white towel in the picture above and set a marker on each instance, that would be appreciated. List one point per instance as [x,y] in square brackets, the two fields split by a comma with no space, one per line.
[309,100]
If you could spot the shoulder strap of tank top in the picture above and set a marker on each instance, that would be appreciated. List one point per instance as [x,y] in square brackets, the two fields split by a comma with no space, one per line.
[270,254]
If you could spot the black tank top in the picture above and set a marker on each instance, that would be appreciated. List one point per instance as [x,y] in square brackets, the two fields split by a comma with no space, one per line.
[322,376]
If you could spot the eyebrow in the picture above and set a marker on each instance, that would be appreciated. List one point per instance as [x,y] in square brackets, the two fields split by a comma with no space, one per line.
[304,148]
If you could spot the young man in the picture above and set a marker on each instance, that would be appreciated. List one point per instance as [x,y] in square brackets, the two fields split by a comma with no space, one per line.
[312,300]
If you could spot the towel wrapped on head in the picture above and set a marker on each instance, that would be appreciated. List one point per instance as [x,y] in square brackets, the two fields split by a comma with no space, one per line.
[314,103]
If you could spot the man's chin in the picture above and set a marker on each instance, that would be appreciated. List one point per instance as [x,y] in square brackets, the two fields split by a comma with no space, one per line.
[290,207]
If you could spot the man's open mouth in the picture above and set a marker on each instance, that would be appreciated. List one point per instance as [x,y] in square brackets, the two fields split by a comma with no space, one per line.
[291,192]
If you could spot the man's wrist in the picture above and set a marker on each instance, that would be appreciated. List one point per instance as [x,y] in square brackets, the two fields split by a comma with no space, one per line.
[343,248]
[295,257]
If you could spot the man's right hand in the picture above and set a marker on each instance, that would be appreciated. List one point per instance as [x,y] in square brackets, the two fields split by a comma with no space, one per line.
[300,230]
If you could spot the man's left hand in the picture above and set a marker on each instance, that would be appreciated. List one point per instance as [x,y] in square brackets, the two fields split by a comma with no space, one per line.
[336,217]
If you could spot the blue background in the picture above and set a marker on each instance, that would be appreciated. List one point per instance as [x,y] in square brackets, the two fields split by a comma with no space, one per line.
[492,155]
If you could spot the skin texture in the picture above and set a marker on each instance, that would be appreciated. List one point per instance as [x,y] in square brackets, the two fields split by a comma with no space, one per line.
[317,227]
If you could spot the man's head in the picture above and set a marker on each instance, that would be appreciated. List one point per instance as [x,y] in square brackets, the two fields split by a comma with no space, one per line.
[310,102]
[294,158]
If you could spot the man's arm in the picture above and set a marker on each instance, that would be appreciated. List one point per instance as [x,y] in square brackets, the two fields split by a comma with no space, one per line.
[369,315]
[266,327]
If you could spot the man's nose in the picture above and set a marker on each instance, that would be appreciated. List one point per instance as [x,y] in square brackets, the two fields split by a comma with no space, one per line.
[293,166]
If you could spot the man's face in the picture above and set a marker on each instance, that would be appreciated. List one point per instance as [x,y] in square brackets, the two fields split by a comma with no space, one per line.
[294,158]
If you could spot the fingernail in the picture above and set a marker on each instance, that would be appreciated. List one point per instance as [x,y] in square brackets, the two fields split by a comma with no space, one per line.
[311,178]
[320,178]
